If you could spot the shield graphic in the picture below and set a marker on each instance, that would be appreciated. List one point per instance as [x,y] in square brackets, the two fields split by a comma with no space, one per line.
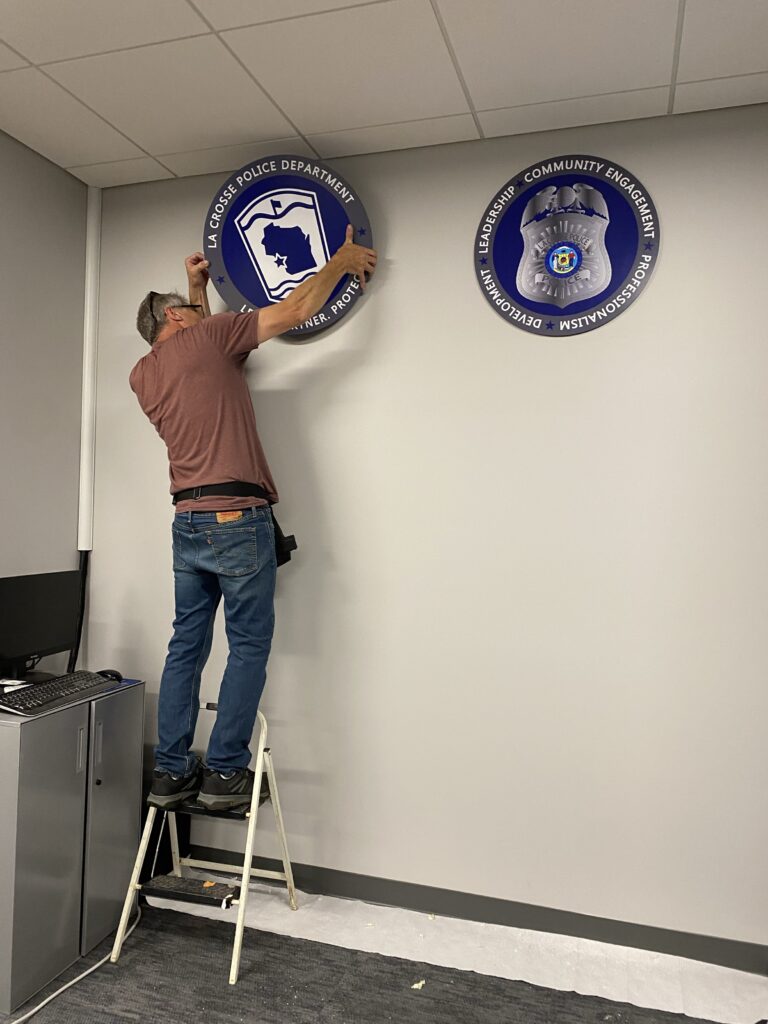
[565,259]
[283,234]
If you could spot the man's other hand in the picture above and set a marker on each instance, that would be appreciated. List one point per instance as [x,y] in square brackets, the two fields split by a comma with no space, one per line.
[356,259]
[197,270]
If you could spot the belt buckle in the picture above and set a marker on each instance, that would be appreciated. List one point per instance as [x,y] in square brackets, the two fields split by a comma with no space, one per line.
[196,493]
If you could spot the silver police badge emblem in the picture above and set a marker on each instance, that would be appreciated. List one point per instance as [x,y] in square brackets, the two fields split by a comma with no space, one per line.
[567,245]
[564,259]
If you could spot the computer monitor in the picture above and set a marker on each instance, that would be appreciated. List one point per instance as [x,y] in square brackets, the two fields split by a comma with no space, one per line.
[38,616]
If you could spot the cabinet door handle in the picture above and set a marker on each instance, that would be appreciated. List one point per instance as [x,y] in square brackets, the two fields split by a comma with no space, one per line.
[80,763]
[99,741]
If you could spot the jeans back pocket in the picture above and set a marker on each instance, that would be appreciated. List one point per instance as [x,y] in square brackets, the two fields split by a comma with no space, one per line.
[235,549]
[183,551]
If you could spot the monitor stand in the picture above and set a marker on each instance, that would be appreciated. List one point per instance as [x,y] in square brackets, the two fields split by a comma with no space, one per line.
[16,674]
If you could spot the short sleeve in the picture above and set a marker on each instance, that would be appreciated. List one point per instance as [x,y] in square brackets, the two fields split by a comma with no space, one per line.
[136,379]
[236,334]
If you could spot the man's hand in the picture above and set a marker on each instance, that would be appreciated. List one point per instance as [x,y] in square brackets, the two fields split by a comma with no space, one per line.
[311,295]
[197,270]
[356,259]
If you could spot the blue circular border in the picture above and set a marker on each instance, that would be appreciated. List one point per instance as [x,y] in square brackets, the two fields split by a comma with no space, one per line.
[231,271]
[497,252]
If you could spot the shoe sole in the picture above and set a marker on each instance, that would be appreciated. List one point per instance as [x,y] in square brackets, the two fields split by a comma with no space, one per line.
[168,803]
[223,802]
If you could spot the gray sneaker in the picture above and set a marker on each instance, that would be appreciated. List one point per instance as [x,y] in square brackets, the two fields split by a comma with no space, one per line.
[168,790]
[222,790]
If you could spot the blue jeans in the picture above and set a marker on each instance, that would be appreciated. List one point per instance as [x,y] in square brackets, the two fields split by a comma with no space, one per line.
[235,560]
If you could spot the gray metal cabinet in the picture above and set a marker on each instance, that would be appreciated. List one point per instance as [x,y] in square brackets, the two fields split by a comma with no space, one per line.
[70,805]
[113,820]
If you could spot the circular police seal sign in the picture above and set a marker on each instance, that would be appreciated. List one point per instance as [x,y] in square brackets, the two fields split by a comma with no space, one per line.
[567,245]
[275,223]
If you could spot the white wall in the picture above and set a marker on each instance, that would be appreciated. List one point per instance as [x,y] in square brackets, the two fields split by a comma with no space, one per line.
[522,651]
[41,346]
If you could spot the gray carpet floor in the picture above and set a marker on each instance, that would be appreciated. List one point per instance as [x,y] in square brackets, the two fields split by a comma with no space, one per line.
[174,970]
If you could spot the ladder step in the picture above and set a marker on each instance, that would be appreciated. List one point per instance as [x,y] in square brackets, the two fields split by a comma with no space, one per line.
[192,890]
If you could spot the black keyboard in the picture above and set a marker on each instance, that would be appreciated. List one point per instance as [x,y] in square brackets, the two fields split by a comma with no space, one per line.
[37,698]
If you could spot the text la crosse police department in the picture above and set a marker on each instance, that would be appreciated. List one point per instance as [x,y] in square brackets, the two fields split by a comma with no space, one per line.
[258,170]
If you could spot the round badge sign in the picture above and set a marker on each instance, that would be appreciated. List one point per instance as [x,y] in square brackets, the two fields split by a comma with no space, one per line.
[567,245]
[275,223]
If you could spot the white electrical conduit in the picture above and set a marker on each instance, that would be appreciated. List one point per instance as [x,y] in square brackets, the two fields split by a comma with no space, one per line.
[90,357]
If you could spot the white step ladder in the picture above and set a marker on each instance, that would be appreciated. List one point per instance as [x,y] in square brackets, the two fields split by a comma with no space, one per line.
[178,886]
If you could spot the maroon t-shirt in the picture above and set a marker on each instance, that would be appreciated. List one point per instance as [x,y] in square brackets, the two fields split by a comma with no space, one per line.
[192,387]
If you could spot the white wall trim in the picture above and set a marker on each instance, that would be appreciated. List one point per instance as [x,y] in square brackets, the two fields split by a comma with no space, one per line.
[90,359]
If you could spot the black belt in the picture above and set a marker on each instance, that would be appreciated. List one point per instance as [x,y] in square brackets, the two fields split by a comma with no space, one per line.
[239,489]
[234,489]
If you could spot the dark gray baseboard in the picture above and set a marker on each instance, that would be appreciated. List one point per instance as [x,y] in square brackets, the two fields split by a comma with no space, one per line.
[742,956]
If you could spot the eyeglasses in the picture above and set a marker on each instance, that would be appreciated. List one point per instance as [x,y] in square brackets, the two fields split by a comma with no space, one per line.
[151,296]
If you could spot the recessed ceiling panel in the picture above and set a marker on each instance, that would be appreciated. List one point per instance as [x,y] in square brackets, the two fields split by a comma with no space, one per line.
[175,96]
[47,119]
[230,158]
[233,13]
[379,64]
[9,60]
[46,30]
[530,51]
[432,132]
[723,37]
[540,117]
[722,92]
[124,172]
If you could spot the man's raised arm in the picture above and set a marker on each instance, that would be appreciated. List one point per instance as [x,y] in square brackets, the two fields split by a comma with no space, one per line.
[304,301]
[197,277]
[310,297]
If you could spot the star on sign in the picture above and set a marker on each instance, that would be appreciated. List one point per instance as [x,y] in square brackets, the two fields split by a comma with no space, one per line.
[280,261]
[484,260]
[220,280]
[549,325]
[519,183]
[649,245]
[361,232]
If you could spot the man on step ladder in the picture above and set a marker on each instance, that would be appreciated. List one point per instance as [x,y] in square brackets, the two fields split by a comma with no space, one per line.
[193,388]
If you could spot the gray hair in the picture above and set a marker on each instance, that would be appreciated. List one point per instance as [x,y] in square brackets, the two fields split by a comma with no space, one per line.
[150,318]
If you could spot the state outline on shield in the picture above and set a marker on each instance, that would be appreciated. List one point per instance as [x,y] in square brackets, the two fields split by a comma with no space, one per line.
[276,290]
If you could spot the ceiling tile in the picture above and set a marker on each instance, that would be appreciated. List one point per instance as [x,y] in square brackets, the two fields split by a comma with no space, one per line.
[41,115]
[175,97]
[379,64]
[92,26]
[539,117]
[723,38]
[233,13]
[535,50]
[721,92]
[231,158]
[122,172]
[432,132]
[9,60]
